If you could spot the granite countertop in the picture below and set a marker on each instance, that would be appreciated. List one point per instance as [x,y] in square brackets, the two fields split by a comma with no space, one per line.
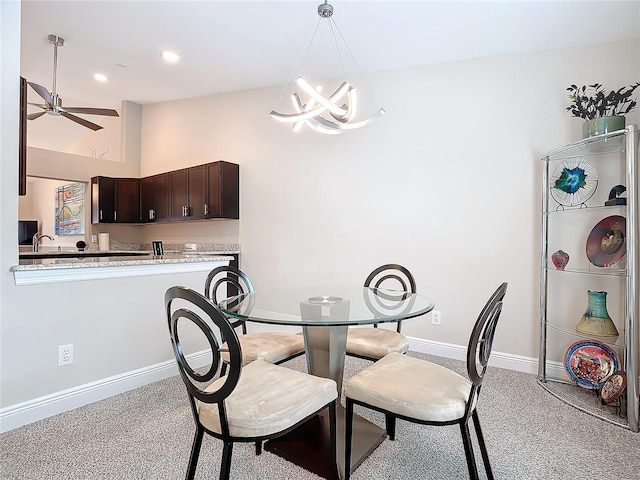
[90,262]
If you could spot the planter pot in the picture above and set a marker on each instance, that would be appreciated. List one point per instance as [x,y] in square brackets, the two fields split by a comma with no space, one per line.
[598,126]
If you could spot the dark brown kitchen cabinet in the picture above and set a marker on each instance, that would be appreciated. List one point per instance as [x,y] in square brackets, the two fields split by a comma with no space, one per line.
[187,193]
[154,198]
[115,200]
[101,200]
[197,184]
[196,193]
[126,200]
[223,190]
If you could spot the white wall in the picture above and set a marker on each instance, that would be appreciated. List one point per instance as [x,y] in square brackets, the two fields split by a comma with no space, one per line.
[446,183]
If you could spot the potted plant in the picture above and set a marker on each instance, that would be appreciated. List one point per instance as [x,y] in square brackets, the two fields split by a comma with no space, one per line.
[603,112]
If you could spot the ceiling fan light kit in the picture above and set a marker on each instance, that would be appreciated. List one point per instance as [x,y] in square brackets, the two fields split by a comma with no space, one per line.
[53,103]
[338,111]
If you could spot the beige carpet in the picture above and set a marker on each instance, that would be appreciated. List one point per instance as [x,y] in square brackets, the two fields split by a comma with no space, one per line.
[147,434]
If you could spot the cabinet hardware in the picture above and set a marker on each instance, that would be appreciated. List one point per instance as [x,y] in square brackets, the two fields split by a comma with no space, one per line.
[115,215]
[152,214]
[100,214]
[206,209]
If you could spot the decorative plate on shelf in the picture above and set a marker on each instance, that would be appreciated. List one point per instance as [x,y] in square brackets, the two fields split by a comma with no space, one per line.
[573,182]
[606,243]
[613,387]
[590,363]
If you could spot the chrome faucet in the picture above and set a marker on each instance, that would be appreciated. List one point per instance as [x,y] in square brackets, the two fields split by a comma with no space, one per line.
[37,238]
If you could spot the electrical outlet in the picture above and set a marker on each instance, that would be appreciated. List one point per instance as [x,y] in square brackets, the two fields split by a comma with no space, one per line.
[65,355]
[94,238]
[436,318]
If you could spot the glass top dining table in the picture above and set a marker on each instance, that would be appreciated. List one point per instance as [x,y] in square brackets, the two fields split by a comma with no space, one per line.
[326,306]
[325,313]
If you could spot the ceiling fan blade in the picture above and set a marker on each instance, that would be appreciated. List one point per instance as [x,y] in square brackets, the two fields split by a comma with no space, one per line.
[81,121]
[43,92]
[92,111]
[33,116]
[41,105]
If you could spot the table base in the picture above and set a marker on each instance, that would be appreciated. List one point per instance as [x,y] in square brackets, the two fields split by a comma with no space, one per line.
[308,445]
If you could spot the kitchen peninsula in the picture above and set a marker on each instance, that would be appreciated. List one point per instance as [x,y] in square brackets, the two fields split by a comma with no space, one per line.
[53,270]
[110,310]
[67,266]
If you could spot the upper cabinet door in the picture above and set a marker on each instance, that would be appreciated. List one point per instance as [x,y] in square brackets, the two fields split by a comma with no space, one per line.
[147,199]
[197,188]
[223,190]
[102,201]
[161,197]
[178,194]
[126,200]
[154,198]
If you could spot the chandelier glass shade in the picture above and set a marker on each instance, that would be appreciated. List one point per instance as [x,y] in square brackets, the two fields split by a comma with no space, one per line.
[327,111]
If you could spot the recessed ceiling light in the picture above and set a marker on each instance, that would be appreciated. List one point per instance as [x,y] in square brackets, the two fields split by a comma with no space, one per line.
[100,77]
[170,57]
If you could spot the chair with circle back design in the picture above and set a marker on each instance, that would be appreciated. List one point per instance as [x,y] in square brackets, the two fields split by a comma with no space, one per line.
[374,343]
[419,391]
[273,347]
[247,404]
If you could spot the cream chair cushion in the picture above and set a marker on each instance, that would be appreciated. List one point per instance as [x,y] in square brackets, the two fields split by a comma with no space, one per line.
[268,399]
[411,387]
[375,342]
[271,347]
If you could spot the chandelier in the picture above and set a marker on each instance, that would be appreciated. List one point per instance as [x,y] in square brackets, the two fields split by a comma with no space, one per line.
[342,108]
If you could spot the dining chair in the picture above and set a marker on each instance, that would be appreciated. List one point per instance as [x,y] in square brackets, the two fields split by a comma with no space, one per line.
[419,391]
[374,343]
[273,347]
[247,404]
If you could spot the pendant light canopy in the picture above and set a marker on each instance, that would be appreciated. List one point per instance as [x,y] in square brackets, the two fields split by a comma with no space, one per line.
[341,106]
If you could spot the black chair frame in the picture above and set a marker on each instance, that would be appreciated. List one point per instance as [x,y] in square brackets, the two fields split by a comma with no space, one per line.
[478,353]
[192,378]
[406,275]
[383,297]
[238,285]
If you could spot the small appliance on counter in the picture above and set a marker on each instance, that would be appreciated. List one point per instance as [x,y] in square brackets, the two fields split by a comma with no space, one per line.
[103,242]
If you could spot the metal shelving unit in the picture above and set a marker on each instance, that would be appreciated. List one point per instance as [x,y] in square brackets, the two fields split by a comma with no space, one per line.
[570,215]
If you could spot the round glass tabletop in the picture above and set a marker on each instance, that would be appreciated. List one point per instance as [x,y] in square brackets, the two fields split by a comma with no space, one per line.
[326,306]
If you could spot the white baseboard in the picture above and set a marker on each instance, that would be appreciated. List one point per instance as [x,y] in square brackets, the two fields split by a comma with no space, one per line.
[15,416]
[459,352]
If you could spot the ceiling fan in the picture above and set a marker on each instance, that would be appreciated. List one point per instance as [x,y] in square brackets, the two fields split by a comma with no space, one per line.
[53,105]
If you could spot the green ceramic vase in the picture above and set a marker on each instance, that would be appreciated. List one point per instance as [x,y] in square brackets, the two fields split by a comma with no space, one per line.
[598,126]
[596,320]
